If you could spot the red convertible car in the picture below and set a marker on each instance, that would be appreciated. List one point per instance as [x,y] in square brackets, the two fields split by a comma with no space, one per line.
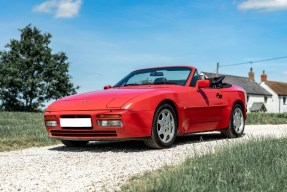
[154,105]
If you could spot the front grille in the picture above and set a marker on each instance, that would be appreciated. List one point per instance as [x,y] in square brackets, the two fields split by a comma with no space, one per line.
[87,134]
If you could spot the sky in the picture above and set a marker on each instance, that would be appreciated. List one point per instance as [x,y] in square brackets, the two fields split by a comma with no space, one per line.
[106,39]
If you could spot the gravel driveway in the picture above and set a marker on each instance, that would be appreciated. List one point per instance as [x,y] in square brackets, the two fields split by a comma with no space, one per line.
[105,165]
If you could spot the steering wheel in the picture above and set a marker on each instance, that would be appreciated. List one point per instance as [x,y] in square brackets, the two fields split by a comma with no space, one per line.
[218,80]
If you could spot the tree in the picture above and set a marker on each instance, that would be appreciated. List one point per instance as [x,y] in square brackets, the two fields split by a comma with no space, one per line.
[30,74]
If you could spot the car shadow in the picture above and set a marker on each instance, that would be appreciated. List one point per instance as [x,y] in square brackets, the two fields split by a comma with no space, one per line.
[137,146]
[199,137]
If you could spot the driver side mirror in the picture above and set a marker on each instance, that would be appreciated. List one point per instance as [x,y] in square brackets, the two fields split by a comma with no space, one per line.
[107,87]
[202,84]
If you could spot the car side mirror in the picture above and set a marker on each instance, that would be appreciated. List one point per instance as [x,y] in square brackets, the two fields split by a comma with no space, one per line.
[107,87]
[202,84]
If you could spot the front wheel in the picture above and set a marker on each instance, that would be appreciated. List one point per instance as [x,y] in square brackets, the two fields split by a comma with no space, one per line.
[164,127]
[236,123]
[71,143]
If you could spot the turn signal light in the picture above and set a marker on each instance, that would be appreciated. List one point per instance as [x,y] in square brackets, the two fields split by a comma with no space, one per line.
[109,116]
[50,117]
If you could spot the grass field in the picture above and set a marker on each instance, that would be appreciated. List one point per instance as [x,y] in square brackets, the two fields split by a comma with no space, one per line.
[22,130]
[266,118]
[258,165]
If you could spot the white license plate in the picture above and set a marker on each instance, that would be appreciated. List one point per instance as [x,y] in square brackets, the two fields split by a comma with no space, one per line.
[75,122]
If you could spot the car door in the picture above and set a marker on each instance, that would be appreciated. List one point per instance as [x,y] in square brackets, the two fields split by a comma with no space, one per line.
[204,108]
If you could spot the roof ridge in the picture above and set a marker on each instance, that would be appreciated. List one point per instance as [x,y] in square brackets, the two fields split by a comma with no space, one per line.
[229,75]
[276,82]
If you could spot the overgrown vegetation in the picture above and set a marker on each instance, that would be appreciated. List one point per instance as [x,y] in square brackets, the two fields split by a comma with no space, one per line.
[22,130]
[266,118]
[259,165]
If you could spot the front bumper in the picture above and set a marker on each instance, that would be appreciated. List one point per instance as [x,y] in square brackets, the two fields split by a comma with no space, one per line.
[134,125]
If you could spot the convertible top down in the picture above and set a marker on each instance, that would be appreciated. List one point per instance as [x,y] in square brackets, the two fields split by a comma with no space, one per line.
[154,105]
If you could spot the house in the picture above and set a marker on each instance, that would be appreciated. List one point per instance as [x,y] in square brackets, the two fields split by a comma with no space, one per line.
[255,93]
[279,94]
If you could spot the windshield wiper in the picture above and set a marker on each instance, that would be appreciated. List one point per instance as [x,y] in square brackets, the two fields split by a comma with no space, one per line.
[170,83]
[134,84]
[130,84]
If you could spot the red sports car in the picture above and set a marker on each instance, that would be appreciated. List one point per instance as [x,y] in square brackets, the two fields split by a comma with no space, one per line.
[154,105]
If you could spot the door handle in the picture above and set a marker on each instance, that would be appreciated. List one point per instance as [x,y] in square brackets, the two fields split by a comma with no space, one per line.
[218,95]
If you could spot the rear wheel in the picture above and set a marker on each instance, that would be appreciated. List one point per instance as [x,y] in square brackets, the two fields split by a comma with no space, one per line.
[236,123]
[71,143]
[164,127]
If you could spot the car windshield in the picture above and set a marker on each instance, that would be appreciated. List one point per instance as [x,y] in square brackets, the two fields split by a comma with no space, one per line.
[169,75]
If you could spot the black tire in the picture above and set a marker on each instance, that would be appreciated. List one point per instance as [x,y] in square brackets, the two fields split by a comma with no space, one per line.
[164,128]
[71,143]
[236,123]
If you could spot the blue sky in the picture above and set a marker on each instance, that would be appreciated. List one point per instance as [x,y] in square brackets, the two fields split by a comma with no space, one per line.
[106,39]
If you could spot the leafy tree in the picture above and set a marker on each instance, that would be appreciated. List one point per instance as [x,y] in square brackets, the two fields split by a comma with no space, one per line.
[30,74]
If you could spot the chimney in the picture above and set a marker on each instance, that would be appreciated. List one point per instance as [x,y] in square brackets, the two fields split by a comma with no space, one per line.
[251,74]
[263,76]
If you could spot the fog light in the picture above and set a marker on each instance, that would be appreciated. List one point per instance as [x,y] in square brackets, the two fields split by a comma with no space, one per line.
[110,123]
[51,123]
[115,123]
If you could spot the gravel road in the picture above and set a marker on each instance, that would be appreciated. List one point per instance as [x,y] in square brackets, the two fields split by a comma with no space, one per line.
[104,166]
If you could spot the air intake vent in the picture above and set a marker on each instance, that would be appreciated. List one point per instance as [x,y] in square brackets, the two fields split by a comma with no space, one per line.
[83,134]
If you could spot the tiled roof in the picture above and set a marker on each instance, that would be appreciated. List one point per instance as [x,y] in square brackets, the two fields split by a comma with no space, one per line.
[278,87]
[251,87]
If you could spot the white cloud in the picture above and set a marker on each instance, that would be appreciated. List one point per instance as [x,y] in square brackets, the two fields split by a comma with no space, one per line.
[263,5]
[61,8]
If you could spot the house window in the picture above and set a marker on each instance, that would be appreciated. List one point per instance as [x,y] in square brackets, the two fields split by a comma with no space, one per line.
[265,99]
[284,100]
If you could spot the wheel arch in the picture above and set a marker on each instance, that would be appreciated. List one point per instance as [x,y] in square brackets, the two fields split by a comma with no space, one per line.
[155,141]
[230,132]
[242,105]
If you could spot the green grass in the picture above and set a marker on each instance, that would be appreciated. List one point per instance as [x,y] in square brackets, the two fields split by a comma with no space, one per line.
[22,130]
[266,118]
[258,165]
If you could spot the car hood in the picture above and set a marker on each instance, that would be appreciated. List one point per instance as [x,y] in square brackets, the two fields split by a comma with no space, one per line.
[97,100]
